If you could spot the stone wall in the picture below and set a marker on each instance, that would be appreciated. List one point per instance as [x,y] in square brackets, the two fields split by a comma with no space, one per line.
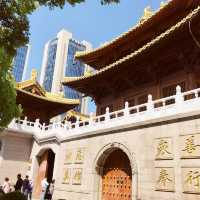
[164,159]
[15,155]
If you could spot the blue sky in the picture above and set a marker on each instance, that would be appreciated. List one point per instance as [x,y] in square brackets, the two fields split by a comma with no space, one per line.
[87,21]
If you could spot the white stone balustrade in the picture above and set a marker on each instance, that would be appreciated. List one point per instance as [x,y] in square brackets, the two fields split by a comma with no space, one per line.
[179,105]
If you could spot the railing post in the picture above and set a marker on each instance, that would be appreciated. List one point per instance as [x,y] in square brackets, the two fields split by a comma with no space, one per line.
[126,109]
[24,122]
[150,106]
[43,127]
[179,96]
[77,122]
[91,119]
[107,115]
[36,124]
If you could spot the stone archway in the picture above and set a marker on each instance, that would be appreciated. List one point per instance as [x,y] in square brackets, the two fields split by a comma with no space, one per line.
[45,161]
[115,174]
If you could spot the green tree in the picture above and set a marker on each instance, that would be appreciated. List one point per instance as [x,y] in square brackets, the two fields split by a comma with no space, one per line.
[14,32]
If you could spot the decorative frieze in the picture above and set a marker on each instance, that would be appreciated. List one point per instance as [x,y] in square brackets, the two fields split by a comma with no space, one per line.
[165,179]
[163,149]
[191,180]
[67,176]
[190,146]
[77,176]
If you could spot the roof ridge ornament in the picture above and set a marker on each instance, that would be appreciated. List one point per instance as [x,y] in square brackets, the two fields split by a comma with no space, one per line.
[33,74]
[148,12]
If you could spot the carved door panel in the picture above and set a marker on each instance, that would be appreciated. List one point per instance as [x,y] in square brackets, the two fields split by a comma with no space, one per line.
[116,185]
[117,177]
[42,172]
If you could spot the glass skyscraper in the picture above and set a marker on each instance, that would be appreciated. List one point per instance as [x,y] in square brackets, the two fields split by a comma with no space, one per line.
[74,68]
[59,62]
[20,63]
[48,79]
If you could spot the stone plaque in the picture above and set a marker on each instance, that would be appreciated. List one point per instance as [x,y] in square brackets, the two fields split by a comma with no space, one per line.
[190,146]
[66,176]
[79,157]
[163,149]
[69,156]
[77,176]
[165,179]
[191,180]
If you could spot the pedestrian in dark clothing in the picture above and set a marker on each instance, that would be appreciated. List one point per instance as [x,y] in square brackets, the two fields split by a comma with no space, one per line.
[25,187]
[19,183]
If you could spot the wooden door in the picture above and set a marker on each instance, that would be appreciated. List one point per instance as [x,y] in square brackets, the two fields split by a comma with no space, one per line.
[117,180]
[42,172]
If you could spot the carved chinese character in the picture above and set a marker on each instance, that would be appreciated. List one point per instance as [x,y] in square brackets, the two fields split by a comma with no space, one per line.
[193,179]
[163,148]
[77,176]
[79,156]
[66,178]
[164,177]
[190,146]
[69,156]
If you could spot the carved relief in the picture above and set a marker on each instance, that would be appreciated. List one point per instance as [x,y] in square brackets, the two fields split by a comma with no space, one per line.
[165,179]
[77,176]
[191,180]
[190,146]
[67,176]
[79,157]
[163,149]
[69,156]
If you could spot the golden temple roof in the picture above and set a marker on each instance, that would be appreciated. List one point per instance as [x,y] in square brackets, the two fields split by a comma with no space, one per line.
[38,103]
[166,11]
[138,53]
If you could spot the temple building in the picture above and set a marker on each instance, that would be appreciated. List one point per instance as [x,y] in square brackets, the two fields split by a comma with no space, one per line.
[40,104]
[144,142]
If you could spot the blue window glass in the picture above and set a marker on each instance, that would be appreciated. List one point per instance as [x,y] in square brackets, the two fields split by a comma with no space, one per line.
[19,63]
[48,79]
[74,68]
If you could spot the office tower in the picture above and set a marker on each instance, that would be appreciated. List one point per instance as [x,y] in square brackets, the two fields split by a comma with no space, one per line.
[20,63]
[59,62]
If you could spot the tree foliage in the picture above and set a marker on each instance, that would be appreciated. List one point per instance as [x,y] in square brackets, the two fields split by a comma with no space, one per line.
[14,32]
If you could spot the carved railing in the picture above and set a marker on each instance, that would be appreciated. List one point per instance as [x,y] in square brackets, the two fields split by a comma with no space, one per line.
[153,109]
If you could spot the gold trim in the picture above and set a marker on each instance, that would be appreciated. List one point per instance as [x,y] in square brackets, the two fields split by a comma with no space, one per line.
[142,49]
[80,54]
[52,99]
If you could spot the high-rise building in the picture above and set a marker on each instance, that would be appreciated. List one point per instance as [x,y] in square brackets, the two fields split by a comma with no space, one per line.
[59,62]
[20,63]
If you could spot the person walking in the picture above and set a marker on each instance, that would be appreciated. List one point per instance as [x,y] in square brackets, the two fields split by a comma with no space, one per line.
[30,189]
[19,183]
[6,186]
[25,187]
[44,185]
[51,189]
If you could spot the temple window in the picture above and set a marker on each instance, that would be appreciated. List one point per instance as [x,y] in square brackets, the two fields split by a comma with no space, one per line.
[131,102]
[103,109]
[171,90]
[142,99]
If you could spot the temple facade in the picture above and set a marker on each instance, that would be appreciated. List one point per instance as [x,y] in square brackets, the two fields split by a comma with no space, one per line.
[144,143]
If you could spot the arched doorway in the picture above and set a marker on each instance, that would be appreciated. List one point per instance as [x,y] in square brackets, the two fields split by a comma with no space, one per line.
[45,169]
[116,176]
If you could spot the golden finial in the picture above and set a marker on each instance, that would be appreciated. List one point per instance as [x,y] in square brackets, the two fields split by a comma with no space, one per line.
[162,4]
[33,74]
[148,12]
